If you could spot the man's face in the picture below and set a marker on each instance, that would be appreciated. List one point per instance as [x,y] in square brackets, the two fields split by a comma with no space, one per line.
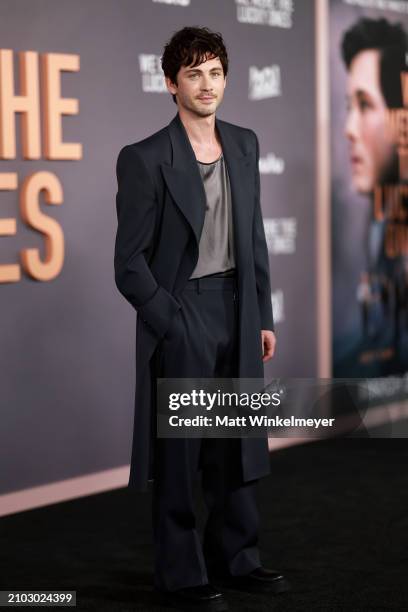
[200,89]
[372,147]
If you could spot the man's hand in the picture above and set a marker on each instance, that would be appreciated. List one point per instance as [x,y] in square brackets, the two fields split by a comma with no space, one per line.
[268,344]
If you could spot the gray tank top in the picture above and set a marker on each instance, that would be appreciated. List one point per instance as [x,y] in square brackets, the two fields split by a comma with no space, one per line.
[216,247]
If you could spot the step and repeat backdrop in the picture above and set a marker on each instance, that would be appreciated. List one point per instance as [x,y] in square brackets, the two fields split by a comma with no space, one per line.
[78,81]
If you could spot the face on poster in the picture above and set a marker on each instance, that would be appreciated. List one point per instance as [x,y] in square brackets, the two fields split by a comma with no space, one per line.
[369,189]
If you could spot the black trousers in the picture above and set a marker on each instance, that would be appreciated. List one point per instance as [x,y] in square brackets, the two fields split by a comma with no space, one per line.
[202,343]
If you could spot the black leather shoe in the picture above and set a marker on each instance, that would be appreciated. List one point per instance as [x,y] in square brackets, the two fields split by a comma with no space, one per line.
[260,579]
[200,597]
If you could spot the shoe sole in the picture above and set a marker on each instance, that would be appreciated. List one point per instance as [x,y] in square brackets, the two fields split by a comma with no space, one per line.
[263,586]
[207,606]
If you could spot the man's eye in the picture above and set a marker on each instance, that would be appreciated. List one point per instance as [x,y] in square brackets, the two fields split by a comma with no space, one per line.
[364,104]
[193,76]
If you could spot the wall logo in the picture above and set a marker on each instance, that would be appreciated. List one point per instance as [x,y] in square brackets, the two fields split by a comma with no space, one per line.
[42,108]
[278,306]
[152,73]
[264,82]
[275,13]
[271,164]
[281,235]
[175,2]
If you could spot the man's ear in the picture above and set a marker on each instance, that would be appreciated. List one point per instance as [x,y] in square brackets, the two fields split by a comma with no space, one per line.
[171,87]
[225,81]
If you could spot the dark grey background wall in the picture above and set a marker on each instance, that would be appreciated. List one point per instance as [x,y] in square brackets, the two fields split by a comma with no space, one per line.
[67,346]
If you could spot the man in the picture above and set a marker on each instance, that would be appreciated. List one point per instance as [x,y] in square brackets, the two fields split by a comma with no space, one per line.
[191,257]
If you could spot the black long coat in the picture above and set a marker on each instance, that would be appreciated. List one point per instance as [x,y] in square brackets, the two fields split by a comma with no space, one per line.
[161,207]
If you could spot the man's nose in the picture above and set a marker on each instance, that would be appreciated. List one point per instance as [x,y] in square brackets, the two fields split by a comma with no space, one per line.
[351,126]
[206,84]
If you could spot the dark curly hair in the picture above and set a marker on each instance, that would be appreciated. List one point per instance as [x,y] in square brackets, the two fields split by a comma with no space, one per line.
[388,38]
[192,46]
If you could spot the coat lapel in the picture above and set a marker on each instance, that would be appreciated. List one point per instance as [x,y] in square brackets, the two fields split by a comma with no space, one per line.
[242,193]
[184,181]
[183,178]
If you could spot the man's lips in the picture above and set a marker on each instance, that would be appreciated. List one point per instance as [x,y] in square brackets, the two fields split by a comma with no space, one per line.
[206,98]
[356,160]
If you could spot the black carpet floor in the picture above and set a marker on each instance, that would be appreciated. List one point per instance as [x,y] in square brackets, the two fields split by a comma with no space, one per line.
[334,520]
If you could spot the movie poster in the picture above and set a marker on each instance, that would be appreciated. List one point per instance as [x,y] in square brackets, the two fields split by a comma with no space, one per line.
[369,188]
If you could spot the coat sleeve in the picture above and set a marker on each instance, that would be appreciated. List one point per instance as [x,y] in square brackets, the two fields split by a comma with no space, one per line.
[136,208]
[261,257]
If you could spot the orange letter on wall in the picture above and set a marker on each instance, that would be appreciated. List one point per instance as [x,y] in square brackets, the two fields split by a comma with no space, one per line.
[8,273]
[53,235]
[28,103]
[52,64]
